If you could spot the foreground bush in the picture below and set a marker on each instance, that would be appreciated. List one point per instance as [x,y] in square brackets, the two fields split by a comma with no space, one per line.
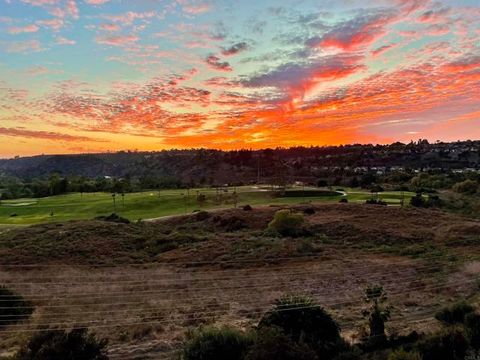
[13,307]
[217,344]
[303,320]
[286,223]
[450,344]
[403,355]
[454,314]
[472,327]
[272,343]
[77,344]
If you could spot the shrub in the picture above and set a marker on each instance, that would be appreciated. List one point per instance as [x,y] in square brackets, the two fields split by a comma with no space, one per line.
[286,223]
[201,215]
[472,327]
[404,355]
[354,354]
[375,202]
[272,343]
[309,211]
[217,344]
[247,208]
[466,187]
[77,344]
[113,218]
[13,307]
[343,200]
[233,223]
[454,314]
[446,345]
[432,201]
[302,319]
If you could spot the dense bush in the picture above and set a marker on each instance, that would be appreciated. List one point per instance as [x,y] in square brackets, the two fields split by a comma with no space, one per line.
[404,355]
[286,223]
[454,314]
[466,187]
[302,319]
[309,211]
[450,344]
[217,344]
[375,202]
[420,201]
[272,343]
[77,344]
[472,327]
[202,215]
[113,218]
[13,307]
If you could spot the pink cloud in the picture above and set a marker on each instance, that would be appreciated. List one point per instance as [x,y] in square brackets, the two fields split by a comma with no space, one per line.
[96,2]
[109,27]
[117,40]
[23,29]
[48,135]
[42,70]
[64,41]
[434,16]
[357,32]
[40,2]
[130,16]
[72,9]
[194,7]
[55,24]
[24,46]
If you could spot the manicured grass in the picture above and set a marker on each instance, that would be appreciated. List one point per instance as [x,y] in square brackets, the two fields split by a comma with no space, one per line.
[152,204]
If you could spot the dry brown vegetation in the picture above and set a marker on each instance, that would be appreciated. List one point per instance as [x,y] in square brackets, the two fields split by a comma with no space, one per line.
[223,267]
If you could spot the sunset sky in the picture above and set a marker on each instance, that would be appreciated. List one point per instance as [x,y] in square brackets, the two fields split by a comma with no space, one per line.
[104,75]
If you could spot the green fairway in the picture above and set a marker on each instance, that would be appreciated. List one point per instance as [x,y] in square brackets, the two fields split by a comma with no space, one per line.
[152,204]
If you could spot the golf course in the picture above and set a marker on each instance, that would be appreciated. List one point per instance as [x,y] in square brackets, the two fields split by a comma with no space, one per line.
[152,204]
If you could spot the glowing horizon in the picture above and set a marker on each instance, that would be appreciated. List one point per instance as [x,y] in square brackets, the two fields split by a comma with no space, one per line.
[80,76]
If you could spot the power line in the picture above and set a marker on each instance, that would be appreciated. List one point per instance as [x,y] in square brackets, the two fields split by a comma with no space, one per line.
[209,278]
[324,303]
[268,286]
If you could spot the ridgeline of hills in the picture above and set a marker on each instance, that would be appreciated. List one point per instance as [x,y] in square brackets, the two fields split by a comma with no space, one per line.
[215,166]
